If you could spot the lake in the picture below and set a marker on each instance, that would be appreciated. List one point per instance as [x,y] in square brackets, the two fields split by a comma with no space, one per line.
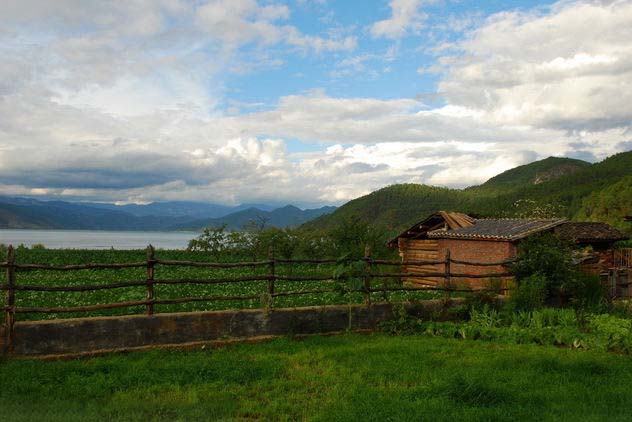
[96,239]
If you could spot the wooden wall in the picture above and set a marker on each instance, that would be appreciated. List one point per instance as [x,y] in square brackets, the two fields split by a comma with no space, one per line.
[420,250]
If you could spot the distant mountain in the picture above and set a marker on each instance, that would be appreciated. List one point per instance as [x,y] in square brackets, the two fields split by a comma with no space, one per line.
[24,213]
[196,210]
[570,188]
[287,216]
[28,213]
[573,188]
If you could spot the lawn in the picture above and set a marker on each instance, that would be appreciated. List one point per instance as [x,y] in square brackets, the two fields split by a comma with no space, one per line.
[345,378]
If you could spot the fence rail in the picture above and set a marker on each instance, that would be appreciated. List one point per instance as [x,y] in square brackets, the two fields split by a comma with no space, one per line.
[623,258]
[370,273]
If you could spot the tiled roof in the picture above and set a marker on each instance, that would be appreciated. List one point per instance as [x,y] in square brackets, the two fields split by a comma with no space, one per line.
[507,229]
[589,231]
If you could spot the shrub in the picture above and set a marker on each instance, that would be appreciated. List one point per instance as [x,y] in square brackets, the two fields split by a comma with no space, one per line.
[531,293]
[585,291]
[545,271]
[212,240]
[547,256]
[611,333]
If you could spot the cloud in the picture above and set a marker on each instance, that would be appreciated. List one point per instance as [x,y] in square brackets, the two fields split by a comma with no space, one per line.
[239,22]
[405,17]
[569,67]
[123,103]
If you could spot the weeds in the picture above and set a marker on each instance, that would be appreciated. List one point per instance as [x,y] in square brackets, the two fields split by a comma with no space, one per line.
[548,326]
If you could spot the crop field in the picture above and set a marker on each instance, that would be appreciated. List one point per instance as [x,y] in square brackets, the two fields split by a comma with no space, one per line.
[105,276]
[344,378]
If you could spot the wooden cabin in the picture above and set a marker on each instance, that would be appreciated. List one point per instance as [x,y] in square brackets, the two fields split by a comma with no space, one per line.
[597,241]
[415,245]
[488,241]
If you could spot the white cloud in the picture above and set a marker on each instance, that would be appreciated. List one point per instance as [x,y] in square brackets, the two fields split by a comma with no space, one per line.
[570,67]
[405,16]
[239,22]
[113,103]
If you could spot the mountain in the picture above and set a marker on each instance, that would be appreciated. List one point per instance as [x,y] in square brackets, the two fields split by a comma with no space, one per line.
[566,187]
[609,204]
[391,205]
[24,213]
[195,210]
[28,213]
[287,216]
[553,186]
[567,191]
[531,174]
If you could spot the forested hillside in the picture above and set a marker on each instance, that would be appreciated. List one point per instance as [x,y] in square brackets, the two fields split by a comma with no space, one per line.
[549,187]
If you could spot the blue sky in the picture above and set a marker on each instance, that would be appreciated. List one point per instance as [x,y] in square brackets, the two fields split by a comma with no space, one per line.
[310,102]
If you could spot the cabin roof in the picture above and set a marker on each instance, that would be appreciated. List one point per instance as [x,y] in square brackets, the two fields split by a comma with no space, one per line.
[504,229]
[587,232]
[443,219]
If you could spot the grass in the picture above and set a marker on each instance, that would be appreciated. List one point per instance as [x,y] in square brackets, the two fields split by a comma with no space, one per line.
[346,378]
[104,276]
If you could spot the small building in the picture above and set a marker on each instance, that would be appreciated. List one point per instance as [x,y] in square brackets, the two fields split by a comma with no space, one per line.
[489,240]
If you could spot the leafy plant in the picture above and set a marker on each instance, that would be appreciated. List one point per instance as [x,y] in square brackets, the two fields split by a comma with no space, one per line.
[531,293]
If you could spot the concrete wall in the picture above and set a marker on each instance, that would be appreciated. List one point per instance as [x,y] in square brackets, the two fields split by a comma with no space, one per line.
[104,334]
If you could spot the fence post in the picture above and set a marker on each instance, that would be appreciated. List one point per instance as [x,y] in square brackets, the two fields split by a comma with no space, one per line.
[271,273]
[151,258]
[9,315]
[367,278]
[446,283]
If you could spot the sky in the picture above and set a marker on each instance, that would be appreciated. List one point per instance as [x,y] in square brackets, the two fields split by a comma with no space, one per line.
[310,102]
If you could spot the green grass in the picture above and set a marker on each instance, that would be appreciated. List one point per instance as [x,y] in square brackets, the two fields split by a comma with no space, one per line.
[346,378]
[105,276]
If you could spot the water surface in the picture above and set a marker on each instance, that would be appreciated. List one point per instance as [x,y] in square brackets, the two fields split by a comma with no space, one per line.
[96,239]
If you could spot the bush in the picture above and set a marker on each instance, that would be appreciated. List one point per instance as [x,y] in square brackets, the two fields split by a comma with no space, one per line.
[585,291]
[545,272]
[212,240]
[547,256]
[531,293]
[352,235]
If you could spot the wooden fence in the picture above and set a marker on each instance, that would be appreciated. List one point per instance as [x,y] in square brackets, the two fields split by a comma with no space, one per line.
[623,258]
[370,273]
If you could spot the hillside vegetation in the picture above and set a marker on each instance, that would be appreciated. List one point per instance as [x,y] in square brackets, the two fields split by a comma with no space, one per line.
[551,187]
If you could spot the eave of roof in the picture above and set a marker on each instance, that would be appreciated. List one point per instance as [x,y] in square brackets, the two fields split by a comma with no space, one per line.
[590,232]
[453,219]
[499,229]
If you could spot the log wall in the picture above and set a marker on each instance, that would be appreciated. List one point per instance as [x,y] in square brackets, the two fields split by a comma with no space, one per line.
[420,250]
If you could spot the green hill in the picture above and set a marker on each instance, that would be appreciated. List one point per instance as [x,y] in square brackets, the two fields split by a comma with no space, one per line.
[567,191]
[609,204]
[390,206]
[556,186]
[534,173]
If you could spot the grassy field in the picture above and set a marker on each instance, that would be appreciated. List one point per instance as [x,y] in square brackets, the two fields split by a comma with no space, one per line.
[346,378]
[104,276]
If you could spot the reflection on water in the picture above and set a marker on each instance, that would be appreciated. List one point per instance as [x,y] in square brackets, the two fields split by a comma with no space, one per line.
[96,239]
